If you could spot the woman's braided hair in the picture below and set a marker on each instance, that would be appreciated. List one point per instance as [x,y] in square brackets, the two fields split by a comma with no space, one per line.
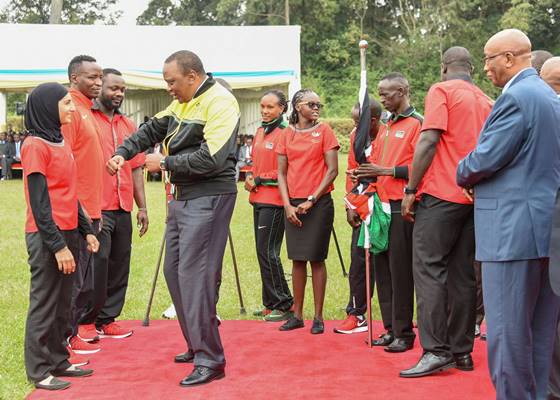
[298,96]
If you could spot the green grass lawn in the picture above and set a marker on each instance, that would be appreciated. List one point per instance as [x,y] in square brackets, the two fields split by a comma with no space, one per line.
[14,273]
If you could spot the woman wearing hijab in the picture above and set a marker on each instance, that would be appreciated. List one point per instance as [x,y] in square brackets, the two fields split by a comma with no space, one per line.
[54,222]
[307,168]
[268,213]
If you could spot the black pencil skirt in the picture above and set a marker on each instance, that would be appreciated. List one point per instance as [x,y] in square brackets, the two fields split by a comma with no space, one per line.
[310,242]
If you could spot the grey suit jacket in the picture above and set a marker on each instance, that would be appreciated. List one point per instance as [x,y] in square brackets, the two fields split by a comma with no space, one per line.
[515,172]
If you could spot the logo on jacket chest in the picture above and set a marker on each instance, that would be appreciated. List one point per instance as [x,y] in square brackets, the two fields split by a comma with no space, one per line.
[268,145]
[399,134]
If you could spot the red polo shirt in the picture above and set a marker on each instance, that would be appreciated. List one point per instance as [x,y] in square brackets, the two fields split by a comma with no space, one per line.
[305,150]
[118,191]
[265,166]
[394,147]
[84,138]
[459,109]
[55,162]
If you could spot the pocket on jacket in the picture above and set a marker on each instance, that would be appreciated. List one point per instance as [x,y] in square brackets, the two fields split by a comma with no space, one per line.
[486,204]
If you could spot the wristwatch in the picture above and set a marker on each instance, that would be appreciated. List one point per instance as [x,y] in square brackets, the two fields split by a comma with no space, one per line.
[408,190]
[162,164]
[312,199]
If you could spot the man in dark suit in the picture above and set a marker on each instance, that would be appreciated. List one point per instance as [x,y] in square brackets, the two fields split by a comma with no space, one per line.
[515,173]
[550,73]
[8,157]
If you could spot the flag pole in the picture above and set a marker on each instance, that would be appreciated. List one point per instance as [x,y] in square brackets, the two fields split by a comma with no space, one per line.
[363,88]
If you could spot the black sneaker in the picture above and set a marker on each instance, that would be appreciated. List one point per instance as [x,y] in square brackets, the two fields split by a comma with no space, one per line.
[291,324]
[318,327]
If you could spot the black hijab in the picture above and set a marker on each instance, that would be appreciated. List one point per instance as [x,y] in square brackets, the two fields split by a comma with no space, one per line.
[42,118]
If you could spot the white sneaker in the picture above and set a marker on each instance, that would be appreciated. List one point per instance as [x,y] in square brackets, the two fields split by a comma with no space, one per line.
[170,313]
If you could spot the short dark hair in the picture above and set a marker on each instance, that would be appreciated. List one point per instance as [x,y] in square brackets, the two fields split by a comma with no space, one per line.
[109,71]
[396,76]
[538,59]
[77,61]
[459,57]
[187,60]
[374,107]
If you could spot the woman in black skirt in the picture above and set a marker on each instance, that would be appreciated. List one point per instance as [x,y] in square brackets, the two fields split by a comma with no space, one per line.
[54,222]
[307,168]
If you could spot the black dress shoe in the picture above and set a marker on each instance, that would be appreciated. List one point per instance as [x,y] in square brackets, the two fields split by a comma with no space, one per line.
[464,362]
[428,364]
[74,372]
[400,345]
[292,323]
[54,384]
[186,357]
[384,340]
[318,327]
[202,375]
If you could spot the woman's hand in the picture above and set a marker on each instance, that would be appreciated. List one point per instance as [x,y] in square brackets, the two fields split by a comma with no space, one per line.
[65,260]
[291,215]
[250,183]
[92,243]
[304,207]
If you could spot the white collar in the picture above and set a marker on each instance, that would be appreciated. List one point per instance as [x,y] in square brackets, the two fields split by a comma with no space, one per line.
[508,84]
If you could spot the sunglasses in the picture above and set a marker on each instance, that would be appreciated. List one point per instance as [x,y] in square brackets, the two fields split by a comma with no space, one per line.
[313,105]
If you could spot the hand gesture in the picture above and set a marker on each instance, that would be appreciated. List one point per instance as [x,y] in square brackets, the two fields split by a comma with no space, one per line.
[407,207]
[114,164]
[65,261]
[291,215]
[92,243]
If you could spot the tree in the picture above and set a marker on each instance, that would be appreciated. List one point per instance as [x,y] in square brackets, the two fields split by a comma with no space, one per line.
[73,11]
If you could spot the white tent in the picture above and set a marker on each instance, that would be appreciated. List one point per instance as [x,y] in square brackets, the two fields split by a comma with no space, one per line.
[250,58]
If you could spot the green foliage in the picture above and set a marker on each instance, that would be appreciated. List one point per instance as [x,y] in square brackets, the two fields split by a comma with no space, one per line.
[15,121]
[73,11]
[342,128]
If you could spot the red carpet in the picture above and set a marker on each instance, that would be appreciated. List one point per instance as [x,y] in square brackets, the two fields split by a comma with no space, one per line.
[263,363]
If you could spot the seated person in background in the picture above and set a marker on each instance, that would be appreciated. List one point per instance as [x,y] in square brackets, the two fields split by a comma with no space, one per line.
[244,156]
[17,145]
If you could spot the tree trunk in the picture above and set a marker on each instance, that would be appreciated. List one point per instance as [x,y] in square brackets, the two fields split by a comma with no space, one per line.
[56,12]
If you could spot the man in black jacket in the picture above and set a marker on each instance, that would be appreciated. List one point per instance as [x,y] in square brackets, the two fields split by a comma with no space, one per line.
[198,132]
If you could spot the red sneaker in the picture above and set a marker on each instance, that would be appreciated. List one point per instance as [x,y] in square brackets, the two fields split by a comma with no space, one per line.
[114,330]
[88,333]
[352,324]
[81,347]
[76,359]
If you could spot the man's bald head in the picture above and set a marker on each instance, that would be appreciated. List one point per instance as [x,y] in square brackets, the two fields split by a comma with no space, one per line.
[538,57]
[550,73]
[456,61]
[506,53]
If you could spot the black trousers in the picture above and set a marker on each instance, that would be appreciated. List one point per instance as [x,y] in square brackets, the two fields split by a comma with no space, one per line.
[479,296]
[554,384]
[111,267]
[393,275]
[82,289]
[49,308]
[269,232]
[357,278]
[443,256]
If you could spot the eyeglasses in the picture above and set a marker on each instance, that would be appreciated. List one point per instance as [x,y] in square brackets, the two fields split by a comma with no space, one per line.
[502,53]
[312,104]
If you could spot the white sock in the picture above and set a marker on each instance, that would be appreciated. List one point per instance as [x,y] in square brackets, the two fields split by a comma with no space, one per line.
[47,380]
